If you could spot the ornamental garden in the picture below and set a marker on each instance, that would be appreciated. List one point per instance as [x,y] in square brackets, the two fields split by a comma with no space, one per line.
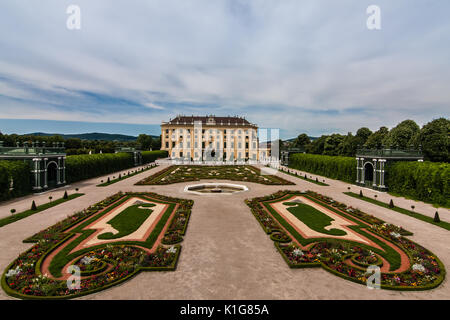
[312,230]
[132,232]
[109,242]
[174,174]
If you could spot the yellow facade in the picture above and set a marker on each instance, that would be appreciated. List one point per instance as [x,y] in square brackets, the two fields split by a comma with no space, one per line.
[210,137]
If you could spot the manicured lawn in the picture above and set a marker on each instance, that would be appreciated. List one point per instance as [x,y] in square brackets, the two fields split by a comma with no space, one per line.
[175,174]
[313,218]
[128,221]
[410,213]
[123,177]
[42,207]
[323,184]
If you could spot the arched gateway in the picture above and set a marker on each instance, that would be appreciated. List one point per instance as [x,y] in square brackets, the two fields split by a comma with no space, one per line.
[371,165]
[47,164]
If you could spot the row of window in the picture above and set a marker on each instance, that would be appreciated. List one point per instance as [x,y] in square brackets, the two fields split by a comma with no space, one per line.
[188,145]
[211,131]
[224,156]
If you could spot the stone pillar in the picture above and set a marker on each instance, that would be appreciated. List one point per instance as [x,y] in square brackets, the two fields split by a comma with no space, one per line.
[383,162]
[58,172]
[64,170]
[357,170]
[37,173]
[363,171]
[374,183]
[45,173]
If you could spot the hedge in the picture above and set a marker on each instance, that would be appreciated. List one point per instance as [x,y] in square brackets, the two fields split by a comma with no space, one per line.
[424,181]
[19,172]
[150,156]
[334,167]
[82,167]
[85,166]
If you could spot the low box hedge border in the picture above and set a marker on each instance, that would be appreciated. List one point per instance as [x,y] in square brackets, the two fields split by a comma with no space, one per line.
[136,172]
[279,195]
[443,224]
[24,214]
[62,238]
[319,183]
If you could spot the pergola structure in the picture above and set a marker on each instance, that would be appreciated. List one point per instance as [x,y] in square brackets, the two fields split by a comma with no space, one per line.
[371,165]
[47,163]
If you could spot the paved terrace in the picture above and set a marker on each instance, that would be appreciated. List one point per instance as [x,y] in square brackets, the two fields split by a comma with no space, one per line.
[226,254]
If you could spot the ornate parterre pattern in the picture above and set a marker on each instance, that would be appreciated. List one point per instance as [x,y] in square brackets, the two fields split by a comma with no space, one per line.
[109,242]
[312,230]
[184,173]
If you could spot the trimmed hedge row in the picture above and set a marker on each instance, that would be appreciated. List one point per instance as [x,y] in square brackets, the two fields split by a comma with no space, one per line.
[425,181]
[85,166]
[150,156]
[19,172]
[82,167]
[334,167]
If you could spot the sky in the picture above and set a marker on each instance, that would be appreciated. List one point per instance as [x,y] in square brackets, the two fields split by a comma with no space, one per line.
[300,66]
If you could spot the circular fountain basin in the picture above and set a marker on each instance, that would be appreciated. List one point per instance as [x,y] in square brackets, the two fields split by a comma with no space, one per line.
[215,188]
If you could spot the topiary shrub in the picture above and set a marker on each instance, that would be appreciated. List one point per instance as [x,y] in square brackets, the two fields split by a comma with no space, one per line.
[360,193]
[12,211]
[391,204]
[65,195]
[33,206]
[436,217]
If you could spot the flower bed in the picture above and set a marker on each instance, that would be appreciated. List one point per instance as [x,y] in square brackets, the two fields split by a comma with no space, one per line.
[101,266]
[175,174]
[350,259]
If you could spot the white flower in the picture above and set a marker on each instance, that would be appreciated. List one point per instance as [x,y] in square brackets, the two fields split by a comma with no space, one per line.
[418,267]
[87,260]
[172,249]
[13,272]
[395,234]
[297,252]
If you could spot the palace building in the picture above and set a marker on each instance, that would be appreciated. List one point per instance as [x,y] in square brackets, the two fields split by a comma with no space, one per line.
[200,138]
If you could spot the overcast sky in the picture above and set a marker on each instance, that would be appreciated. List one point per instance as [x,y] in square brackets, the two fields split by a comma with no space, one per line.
[302,66]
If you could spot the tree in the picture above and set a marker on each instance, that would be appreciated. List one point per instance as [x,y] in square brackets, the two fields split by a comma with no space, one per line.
[331,144]
[401,136]
[145,141]
[301,141]
[317,145]
[348,146]
[361,136]
[156,144]
[435,141]
[375,140]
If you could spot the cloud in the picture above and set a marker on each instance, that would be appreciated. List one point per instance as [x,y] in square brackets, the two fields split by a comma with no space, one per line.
[304,66]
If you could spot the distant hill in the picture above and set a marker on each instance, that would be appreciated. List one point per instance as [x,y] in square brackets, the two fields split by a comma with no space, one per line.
[91,136]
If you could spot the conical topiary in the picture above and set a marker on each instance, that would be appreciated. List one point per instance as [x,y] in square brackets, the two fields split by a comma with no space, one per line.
[391,204]
[33,206]
[360,193]
[436,217]
[65,195]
